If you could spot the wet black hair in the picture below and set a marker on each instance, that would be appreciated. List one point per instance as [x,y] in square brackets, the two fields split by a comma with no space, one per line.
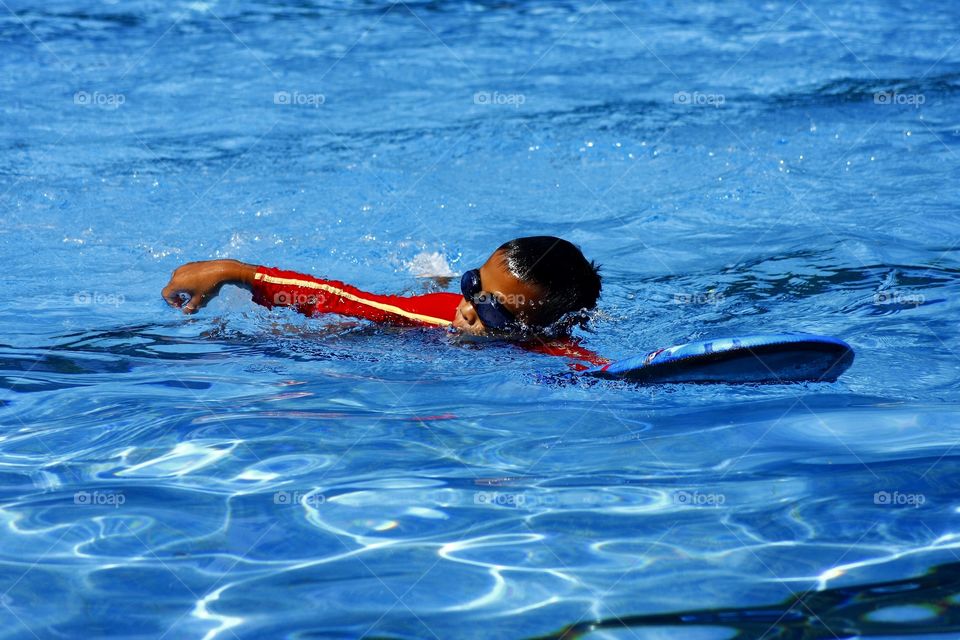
[570,282]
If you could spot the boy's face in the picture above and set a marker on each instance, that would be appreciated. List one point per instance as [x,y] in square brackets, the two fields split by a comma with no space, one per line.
[519,297]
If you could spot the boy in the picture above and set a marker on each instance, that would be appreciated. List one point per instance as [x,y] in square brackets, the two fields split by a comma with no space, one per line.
[533,285]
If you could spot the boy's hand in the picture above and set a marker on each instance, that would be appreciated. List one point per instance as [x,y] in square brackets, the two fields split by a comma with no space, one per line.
[201,281]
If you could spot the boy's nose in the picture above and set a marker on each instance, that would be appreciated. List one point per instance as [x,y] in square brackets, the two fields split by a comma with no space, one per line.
[470,315]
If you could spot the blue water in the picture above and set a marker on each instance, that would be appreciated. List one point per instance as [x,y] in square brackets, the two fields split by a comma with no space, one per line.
[736,168]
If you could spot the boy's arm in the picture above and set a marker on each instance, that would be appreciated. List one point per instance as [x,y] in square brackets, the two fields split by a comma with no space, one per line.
[309,295]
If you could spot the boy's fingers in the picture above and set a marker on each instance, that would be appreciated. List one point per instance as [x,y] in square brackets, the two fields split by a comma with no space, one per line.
[194,303]
[172,296]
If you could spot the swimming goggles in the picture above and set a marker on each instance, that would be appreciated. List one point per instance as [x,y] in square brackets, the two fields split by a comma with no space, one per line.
[491,311]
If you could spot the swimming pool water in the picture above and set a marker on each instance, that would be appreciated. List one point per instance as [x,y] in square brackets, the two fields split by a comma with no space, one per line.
[736,168]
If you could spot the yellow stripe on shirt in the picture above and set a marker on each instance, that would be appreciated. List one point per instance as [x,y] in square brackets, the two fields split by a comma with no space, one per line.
[349,296]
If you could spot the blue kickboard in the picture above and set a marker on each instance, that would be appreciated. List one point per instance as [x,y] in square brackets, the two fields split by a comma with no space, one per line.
[771,358]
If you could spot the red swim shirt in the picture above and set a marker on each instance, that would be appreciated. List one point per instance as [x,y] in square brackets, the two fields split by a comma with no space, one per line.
[312,296]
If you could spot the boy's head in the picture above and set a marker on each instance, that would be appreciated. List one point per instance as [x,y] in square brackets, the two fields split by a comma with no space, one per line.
[537,280]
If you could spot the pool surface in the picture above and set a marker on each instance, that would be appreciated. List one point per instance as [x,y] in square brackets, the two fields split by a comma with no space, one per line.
[736,168]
